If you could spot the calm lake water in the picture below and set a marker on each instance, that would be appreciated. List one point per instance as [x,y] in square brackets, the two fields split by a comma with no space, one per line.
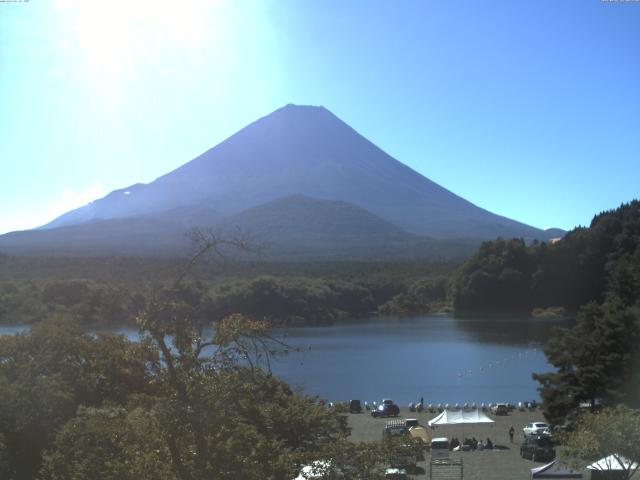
[438,357]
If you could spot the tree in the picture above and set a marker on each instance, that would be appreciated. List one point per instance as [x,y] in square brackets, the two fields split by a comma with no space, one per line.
[47,372]
[496,278]
[4,464]
[208,383]
[596,361]
[108,443]
[611,432]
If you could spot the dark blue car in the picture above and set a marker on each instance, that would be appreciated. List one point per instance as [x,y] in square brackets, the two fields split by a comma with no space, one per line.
[386,410]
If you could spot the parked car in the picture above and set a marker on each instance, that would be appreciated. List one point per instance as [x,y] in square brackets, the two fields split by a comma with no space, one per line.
[536,428]
[386,410]
[500,409]
[318,470]
[538,448]
[395,474]
[411,422]
[355,406]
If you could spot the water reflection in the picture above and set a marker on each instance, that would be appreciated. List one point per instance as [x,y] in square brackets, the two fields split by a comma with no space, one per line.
[509,330]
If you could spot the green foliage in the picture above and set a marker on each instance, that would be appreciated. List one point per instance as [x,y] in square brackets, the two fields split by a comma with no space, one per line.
[109,443]
[596,362]
[46,373]
[4,462]
[495,279]
[100,407]
[83,300]
[422,296]
[588,264]
[290,300]
[207,409]
[613,431]
[110,291]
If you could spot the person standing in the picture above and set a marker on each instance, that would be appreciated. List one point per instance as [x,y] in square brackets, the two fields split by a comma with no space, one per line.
[511,432]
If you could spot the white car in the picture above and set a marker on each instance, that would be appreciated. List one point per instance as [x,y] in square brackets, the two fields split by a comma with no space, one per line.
[319,470]
[536,428]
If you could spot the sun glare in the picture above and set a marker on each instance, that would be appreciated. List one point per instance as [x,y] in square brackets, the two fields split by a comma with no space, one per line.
[114,41]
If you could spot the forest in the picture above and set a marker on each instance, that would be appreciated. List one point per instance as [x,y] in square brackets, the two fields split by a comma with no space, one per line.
[112,291]
[588,264]
[504,276]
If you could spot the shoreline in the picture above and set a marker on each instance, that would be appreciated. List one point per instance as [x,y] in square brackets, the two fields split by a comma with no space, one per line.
[502,463]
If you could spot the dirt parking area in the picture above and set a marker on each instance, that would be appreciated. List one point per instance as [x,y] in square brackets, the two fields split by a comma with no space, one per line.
[502,463]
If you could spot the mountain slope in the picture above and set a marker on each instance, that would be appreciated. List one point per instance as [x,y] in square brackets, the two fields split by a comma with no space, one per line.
[291,228]
[308,151]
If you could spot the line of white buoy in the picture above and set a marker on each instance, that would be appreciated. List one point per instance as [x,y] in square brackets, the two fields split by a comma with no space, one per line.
[499,363]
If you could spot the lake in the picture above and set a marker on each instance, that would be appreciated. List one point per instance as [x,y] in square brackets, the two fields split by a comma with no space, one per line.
[438,357]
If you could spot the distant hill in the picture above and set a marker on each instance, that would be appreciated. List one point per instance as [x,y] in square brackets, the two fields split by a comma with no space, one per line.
[303,227]
[293,228]
[295,154]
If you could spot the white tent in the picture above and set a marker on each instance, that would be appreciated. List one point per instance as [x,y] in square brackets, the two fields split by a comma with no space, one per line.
[613,467]
[613,462]
[554,470]
[459,417]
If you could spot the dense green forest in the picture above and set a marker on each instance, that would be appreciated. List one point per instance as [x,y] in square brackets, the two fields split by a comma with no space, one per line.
[111,291]
[588,264]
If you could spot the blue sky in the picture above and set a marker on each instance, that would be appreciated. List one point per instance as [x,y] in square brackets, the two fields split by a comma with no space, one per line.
[529,109]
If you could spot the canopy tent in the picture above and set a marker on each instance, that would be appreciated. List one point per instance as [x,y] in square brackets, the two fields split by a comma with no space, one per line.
[459,417]
[613,467]
[421,434]
[554,470]
[462,418]
[613,462]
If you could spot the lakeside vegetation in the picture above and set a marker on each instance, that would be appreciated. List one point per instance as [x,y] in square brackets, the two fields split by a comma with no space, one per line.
[589,264]
[592,273]
[83,406]
[503,276]
[112,291]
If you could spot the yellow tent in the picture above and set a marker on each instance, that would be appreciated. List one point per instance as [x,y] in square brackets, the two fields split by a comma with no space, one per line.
[421,434]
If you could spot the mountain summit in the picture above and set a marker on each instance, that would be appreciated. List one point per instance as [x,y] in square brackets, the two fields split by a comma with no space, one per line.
[302,151]
[309,151]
